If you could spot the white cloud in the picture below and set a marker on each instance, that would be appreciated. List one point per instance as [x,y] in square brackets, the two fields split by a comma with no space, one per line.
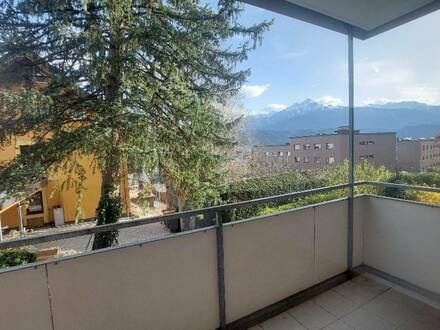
[375,74]
[277,106]
[418,93]
[329,101]
[421,93]
[384,81]
[254,90]
[378,101]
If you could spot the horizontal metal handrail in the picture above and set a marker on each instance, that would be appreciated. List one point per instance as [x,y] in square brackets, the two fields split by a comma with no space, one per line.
[399,186]
[144,221]
[206,211]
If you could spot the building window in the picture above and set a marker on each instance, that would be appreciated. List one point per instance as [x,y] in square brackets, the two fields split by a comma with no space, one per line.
[280,153]
[317,146]
[288,154]
[306,146]
[297,147]
[297,159]
[330,146]
[317,159]
[330,160]
[365,143]
[25,149]
[306,159]
[35,203]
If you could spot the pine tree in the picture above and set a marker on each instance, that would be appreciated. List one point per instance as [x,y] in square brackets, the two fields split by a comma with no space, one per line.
[138,80]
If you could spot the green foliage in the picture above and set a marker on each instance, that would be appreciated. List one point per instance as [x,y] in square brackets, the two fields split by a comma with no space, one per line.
[259,187]
[431,178]
[108,211]
[128,81]
[15,257]
[296,181]
[363,172]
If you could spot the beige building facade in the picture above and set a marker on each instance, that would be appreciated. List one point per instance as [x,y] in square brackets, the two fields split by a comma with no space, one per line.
[315,151]
[417,155]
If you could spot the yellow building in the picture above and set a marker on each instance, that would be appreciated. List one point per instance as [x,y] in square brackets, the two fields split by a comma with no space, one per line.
[42,201]
[50,197]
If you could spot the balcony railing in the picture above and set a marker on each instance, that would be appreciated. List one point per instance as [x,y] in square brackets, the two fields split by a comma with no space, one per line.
[230,275]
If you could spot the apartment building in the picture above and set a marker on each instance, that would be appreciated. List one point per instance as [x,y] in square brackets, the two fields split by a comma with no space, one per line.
[418,155]
[52,196]
[314,151]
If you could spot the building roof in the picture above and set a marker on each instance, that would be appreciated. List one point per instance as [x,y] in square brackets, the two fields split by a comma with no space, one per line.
[271,145]
[363,18]
[332,134]
[430,139]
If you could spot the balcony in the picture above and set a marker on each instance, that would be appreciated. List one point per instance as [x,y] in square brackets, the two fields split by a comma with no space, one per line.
[284,271]
[363,262]
[362,303]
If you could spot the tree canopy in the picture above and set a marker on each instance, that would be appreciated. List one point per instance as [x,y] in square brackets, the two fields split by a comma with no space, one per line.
[126,79]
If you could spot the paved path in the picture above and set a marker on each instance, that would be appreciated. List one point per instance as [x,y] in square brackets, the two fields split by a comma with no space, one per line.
[126,236]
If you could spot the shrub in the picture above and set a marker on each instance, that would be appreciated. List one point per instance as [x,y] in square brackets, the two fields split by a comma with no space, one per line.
[15,257]
[266,186]
[296,181]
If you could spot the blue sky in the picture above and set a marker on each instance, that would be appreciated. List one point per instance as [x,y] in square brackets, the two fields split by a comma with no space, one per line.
[298,60]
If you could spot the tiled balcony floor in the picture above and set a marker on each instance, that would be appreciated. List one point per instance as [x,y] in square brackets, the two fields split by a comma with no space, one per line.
[362,303]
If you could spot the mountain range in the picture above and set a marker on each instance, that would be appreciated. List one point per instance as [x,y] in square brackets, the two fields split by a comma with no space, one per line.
[407,119]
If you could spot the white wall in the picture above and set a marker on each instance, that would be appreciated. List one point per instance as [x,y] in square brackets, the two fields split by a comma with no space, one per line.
[403,239]
[271,258]
[168,284]
[172,283]
[24,300]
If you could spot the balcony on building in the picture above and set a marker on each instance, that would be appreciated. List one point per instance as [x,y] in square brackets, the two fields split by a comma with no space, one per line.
[360,262]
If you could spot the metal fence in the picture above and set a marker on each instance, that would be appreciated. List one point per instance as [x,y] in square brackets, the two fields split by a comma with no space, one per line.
[216,212]
[213,211]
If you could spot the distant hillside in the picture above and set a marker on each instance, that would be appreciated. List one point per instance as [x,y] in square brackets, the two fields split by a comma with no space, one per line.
[407,119]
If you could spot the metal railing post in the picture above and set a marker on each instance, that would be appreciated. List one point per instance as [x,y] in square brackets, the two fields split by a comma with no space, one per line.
[20,218]
[351,157]
[1,229]
[221,272]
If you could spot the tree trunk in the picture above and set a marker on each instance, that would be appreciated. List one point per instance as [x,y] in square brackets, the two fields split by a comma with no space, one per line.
[109,206]
[186,223]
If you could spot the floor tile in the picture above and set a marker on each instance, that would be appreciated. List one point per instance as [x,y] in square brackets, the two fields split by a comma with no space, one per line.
[362,319]
[370,284]
[390,310]
[338,325]
[355,292]
[311,315]
[284,321]
[335,303]
[428,317]
[403,299]
[421,324]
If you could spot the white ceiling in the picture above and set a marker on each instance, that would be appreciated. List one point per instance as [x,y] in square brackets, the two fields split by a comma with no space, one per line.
[365,14]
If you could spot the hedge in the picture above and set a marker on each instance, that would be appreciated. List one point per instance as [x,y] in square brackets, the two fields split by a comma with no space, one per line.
[266,186]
